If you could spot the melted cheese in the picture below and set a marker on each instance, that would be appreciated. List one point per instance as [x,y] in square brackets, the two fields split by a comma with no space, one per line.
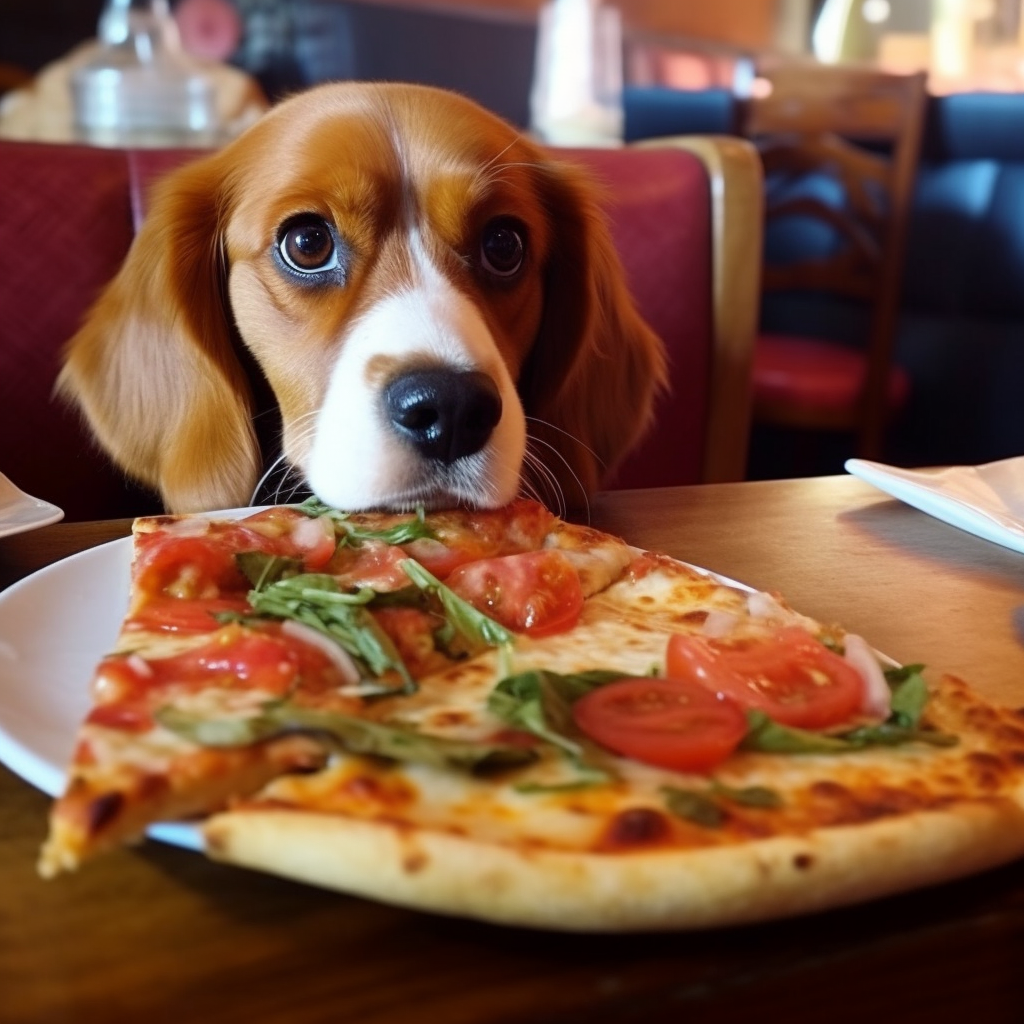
[635,602]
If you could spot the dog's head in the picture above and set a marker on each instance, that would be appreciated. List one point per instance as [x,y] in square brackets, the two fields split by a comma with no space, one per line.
[420,287]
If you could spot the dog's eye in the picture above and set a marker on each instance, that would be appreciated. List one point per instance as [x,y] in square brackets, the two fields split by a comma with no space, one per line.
[307,245]
[502,248]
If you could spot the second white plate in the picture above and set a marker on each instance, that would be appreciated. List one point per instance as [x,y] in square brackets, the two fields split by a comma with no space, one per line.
[986,500]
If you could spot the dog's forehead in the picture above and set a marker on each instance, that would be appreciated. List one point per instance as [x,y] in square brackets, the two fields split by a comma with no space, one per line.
[358,138]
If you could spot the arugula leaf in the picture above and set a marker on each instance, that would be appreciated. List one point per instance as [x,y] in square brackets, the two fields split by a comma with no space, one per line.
[585,782]
[355,735]
[540,701]
[401,533]
[891,734]
[909,695]
[705,807]
[541,711]
[747,796]
[317,601]
[261,569]
[463,617]
[700,808]
[770,737]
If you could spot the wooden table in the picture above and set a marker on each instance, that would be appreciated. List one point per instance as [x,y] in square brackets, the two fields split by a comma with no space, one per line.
[159,934]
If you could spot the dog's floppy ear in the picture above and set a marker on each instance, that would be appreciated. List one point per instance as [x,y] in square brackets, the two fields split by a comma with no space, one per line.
[589,382]
[153,367]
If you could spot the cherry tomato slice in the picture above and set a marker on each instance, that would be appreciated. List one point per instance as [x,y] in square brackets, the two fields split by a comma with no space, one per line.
[537,592]
[789,675]
[202,564]
[666,722]
[186,567]
[181,615]
[234,657]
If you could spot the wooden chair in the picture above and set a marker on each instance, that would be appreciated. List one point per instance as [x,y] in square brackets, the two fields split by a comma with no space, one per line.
[857,132]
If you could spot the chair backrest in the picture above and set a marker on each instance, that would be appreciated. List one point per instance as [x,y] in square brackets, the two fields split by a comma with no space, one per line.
[685,218]
[65,226]
[840,146]
[68,215]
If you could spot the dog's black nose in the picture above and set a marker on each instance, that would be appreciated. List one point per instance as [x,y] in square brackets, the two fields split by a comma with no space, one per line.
[446,414]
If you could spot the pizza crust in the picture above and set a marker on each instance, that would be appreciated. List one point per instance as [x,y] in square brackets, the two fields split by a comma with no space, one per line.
[536,847]
[639,891]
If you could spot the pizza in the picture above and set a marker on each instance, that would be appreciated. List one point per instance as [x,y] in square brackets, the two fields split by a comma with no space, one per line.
[503,715]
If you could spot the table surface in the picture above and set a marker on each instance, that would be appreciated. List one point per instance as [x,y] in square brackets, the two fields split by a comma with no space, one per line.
[158,934]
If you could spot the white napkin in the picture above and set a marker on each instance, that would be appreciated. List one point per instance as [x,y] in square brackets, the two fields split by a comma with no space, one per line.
[986,500]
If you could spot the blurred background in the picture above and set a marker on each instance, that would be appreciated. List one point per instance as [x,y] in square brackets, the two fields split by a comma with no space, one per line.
[692,67]
[486,47]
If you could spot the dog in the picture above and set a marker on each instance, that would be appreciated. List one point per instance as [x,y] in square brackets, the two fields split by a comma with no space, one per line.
[420,304]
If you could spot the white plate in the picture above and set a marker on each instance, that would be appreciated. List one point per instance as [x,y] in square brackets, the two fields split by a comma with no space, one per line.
[55,626]
[986,500]
[20,511]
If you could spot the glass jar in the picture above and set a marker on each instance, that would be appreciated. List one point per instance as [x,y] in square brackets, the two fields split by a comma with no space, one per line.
[140,88]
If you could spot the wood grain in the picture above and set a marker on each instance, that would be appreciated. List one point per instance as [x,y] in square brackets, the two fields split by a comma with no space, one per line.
[157,934]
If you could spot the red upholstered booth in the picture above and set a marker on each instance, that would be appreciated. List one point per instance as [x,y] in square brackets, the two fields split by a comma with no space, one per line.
[681,217]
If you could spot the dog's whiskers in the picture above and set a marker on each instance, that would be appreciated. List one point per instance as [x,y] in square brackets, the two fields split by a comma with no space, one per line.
[572,437]
[264,494]
[541,484]
[290,481]
[536,462]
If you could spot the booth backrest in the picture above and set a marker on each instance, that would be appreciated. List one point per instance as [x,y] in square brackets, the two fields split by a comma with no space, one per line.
[65,226]
[67,218]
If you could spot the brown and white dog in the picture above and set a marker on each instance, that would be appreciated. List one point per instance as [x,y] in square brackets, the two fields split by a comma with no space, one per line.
[431,302]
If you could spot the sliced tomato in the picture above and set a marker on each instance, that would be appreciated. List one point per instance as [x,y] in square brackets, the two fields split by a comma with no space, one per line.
[194,561]
[666,722]
[788,674]
[438,559]
[186,566]
[250,660]
[292,533]
[412,632]
[123,717]
[519,526]
[372,563]
[181,615]
[313,540]
[537,592]
[268,660]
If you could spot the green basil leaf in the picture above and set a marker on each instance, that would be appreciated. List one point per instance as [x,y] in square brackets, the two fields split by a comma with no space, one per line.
[472,624]
[355,735]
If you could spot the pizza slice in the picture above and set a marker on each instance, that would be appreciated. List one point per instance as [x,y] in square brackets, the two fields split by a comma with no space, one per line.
[503,715]
[267,617]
